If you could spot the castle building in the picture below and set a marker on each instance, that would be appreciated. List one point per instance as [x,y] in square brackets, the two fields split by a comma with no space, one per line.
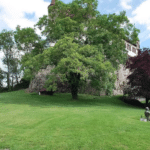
[122,73]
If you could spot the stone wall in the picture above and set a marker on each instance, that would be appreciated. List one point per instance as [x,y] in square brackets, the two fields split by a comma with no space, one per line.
[38,82]
[122,74]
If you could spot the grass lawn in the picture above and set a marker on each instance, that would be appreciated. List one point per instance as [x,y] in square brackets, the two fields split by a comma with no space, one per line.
[42,122]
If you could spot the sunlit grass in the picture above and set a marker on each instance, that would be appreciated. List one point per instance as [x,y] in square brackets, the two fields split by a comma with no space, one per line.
[40,122]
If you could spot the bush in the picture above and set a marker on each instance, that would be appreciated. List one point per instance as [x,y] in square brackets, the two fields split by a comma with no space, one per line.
[4,89]
[22,85]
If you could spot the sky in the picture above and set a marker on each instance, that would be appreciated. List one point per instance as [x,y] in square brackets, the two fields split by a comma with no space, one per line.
[26,13]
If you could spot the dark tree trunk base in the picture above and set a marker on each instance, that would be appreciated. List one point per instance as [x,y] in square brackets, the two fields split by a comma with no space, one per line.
[74,82]
[47,92]
[147,99]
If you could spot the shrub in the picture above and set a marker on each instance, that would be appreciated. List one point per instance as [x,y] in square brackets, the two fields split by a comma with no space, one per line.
[3,89]
[22,85]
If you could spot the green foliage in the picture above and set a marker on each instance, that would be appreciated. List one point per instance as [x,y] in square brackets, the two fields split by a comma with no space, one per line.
[31,65]
[76,60]
[38,47]
[26,36]
[134,35]
[6,45]
[1,77]
[29,38]
[22,85]
[70,57]
[6,41]
[2,90]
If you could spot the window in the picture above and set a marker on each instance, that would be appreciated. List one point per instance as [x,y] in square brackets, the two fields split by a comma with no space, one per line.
[133,50]
[129,47]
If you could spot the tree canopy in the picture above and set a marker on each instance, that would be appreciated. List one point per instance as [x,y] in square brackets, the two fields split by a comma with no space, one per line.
[76,58]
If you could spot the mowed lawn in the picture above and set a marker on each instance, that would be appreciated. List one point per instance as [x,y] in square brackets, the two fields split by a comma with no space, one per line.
[42,122]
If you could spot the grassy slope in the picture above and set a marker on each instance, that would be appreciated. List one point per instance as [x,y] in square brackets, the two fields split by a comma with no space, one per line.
[33,122]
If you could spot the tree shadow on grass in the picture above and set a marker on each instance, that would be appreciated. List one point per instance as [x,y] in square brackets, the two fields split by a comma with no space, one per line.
[62,100]
[133,102]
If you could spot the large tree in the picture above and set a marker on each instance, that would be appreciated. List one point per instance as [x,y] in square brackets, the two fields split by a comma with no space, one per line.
[73,63]
[139,79]
[76,59]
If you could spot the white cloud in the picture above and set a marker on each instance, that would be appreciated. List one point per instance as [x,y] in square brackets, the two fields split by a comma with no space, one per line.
[13,12]
[125,5]
[142,14]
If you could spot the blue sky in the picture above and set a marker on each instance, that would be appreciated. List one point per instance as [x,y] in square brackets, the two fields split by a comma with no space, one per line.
[26,13]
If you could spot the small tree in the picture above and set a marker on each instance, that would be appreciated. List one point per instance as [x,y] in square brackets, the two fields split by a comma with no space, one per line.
[140,78]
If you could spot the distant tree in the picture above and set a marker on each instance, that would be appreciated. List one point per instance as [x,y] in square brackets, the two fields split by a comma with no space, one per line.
[134,36]
[11,57]
[14,72]
[1,77]
[139,79]
[6,44]
[25,39]
[29,42]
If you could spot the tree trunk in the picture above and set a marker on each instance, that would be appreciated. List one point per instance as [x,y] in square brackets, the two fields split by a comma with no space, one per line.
[74,81]
[8,80]
[16,78]
[74,91]
[107,93]
[147,99]
[12,83]
[8,75]
[31,85]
